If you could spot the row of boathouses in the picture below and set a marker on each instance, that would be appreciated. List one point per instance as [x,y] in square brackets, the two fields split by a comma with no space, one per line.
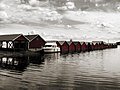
[22,42]
[36,42]
[76,46]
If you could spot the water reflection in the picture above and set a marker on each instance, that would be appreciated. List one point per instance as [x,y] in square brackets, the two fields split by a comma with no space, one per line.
[96,70]
[37,59]
[19,63]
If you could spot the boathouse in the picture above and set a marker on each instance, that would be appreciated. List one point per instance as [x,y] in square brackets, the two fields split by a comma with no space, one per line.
[83,46]
[71,47]
[105,46]
[96,46]
[89,46]
[14,41]
[102,45]
[77,46]
[92,46]
[111,45]
[99,45]
[114,45]
[64,47]
[35,42]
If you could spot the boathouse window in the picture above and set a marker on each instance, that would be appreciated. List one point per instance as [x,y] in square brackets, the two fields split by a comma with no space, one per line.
[4,45]
[4,60]
[10,45]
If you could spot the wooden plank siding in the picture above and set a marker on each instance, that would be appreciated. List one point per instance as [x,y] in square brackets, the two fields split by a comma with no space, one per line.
[77,46]
[36,42]
[89,46]
[21,43]
[83,46]
[14,41]
[99,45]
[96,46]
[64,47]
[71,47]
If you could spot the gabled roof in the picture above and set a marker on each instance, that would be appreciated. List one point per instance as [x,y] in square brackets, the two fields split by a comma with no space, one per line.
[82,43]
[76,42]
[32,37]
[69,42]
[61,42]
[93,43]
[9,37]
[98,42]
[88,43]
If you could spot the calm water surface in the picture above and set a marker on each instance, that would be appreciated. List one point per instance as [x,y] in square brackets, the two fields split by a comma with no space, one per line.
[96,70]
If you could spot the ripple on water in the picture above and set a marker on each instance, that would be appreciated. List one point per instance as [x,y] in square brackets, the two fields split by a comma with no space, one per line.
[96,70]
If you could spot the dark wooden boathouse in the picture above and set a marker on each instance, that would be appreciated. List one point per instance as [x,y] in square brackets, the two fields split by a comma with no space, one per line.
[83,46]
[96,45]
[14,41]
[112,45]
[92,46]
[64,47]
[36,42]
[71,47]
[89,46]
[77,46]
[99,45]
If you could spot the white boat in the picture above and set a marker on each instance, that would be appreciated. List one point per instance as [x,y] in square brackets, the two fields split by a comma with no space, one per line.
[51,48]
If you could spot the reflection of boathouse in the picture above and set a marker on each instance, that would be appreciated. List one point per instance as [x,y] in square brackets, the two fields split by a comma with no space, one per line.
[18,63]
[15,41]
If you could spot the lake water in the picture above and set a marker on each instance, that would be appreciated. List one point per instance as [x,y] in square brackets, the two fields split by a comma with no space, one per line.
[96,70]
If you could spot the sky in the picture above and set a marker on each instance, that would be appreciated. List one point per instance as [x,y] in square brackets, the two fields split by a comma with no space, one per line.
[61,23]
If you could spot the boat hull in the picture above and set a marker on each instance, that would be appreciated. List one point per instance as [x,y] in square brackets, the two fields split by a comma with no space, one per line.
[51,50]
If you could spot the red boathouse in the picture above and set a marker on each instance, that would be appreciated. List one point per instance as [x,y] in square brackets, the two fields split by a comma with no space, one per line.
[15,41]
[89,46]
[77,46]
[83,46]
[71,47]
[64,47]
[99,45]
[35,42]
